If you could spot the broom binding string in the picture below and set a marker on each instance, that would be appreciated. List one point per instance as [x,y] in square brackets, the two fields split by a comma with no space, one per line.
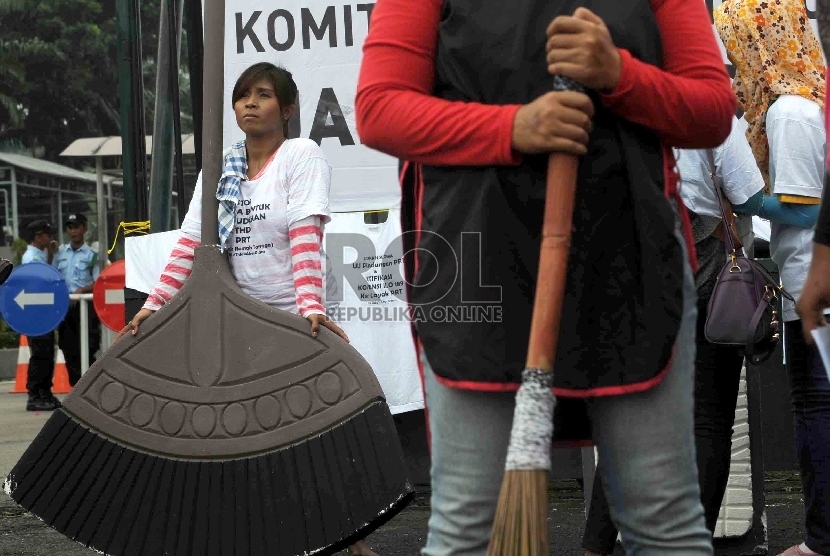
[532,430]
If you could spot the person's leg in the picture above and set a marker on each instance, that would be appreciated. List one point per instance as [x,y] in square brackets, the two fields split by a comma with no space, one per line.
[69,341]
[717,380]
[600,535]
[41,370]
[647,456]
[469,434]
[810,392]
[41,364]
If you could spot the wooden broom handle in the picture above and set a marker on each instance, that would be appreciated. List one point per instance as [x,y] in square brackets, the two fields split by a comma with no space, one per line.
[553,255]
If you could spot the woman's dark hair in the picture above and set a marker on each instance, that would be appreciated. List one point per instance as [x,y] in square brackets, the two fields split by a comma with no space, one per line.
[280,78]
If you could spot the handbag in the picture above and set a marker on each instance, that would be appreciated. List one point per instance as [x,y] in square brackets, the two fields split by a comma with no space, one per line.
[744,307]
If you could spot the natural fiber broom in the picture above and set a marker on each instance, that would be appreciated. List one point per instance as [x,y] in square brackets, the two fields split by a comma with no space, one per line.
[520,526]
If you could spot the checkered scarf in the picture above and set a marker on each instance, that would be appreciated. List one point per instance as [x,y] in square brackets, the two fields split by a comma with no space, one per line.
[235,170]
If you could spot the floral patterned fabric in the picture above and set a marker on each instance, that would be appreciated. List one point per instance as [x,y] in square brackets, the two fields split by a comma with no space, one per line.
[775,52]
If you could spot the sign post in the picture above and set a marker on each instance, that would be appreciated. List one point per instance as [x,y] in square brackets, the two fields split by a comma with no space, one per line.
[34,300]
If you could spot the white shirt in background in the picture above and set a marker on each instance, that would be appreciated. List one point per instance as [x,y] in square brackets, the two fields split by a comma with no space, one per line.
[735,165]
[797,140]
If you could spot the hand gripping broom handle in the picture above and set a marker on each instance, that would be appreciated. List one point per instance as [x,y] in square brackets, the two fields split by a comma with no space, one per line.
[553,255]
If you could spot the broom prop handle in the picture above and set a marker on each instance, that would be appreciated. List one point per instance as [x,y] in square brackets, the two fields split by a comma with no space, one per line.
[212,91]
[553,255]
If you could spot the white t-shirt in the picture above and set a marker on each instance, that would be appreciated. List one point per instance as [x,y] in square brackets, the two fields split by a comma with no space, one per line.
[294,186]
[735,165]
[795,130]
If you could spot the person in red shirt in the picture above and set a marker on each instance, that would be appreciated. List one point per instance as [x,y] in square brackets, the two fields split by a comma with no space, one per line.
[460,91]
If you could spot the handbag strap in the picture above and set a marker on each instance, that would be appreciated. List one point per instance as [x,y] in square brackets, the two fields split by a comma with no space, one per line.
[727,222]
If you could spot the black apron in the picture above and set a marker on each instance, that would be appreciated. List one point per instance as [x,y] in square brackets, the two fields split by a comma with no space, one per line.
[474,227]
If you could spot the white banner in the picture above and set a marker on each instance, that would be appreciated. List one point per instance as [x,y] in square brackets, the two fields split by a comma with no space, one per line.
[145,258]
[320,43]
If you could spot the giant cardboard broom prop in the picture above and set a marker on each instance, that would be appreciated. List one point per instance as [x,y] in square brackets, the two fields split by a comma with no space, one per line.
[520,526]
[223,427]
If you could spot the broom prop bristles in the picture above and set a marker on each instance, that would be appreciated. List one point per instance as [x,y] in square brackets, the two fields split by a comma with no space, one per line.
[520,524]
[522,514]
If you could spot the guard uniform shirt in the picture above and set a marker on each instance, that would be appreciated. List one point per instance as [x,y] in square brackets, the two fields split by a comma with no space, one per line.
[33,255]
[79,267]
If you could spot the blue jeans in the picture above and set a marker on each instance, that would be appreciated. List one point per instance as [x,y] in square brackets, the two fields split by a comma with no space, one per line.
[717,381]
[810,398]
[646,459]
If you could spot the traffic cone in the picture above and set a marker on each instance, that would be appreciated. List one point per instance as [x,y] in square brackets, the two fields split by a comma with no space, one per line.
[60,382]
[23,354]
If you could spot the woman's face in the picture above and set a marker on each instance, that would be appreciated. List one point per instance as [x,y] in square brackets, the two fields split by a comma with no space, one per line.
[258,111]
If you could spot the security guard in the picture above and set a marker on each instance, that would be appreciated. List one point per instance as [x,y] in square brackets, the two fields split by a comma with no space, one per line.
[78,264]
[41,348]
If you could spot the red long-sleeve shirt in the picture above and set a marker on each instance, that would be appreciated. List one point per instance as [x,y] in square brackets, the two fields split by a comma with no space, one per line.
[689,102]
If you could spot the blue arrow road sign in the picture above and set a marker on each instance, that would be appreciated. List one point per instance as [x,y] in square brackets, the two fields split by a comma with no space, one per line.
[35,299]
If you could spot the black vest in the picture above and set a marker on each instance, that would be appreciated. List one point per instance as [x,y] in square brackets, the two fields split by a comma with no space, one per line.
[476,227]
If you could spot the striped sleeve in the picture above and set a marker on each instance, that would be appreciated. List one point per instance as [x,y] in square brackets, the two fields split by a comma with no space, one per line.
[178,269]
[306,237]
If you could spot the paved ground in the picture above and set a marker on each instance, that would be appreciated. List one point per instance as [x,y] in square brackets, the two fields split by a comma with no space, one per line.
[21,534]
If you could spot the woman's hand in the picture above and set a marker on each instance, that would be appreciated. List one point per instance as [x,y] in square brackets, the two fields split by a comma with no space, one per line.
[556,121]
[133,324]
[581,47]
[317,319]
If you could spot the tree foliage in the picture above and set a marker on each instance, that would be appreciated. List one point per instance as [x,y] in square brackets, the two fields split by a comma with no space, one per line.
[59,72]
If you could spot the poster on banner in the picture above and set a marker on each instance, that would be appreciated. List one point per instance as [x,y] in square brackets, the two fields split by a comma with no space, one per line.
[320,42]
[366,262]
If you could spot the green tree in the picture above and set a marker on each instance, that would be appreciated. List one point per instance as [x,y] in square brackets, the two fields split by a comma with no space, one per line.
[13,53]
[70,78]
[59,72]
